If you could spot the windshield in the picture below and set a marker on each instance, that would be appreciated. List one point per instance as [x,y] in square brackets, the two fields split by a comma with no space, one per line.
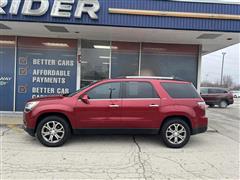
[81,89]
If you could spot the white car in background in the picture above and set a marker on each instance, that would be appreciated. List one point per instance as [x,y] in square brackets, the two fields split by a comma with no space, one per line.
[236,94]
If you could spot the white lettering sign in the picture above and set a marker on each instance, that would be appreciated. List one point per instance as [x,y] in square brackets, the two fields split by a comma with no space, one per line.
[41,10]
[3,3]
[14,7]
[60,8]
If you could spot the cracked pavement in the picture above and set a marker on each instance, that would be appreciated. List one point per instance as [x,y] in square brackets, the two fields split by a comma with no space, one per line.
[212,155]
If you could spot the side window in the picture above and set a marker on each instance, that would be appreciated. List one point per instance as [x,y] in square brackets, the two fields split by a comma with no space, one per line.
[212,91]
[221,91]
[180,90]
[139,90]
[218,91]
[204,91]
[105,91]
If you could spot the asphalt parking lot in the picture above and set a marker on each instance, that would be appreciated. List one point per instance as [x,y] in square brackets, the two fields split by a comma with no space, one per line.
[212,155]
[226,121]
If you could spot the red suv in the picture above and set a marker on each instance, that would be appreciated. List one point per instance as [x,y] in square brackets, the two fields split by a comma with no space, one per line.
[131,105]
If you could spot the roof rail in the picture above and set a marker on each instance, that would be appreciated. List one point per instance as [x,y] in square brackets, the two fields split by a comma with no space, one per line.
[154,77]
[148,77]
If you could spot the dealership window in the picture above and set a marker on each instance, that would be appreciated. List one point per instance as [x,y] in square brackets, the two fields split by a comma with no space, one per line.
[7,63]
[45,67]
[95,61]
[125,59]
[170,60]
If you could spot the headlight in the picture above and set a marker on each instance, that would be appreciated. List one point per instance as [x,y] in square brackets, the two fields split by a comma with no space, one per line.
[29,106]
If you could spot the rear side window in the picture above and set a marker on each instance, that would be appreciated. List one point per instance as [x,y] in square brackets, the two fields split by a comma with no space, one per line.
[212,91]
[216,91]
[179,90]
[139,90]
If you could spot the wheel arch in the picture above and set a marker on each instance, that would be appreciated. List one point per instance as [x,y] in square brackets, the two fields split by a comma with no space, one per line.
[224,99]
[44,115]
[184,118]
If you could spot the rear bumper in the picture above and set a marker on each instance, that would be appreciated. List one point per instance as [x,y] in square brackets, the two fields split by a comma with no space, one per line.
[230,101]
[199,130]
[201,126]
[30,131]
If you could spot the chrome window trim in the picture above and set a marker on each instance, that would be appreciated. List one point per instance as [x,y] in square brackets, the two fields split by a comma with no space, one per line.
[124,99]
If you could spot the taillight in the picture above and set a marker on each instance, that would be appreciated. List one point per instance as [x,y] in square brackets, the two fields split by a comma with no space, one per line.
[202,104]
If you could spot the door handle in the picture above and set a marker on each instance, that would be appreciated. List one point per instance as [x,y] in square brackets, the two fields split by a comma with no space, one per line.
[113,105]
[153,105]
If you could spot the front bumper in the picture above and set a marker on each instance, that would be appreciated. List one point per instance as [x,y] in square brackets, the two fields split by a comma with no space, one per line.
[30,131]
[26,128]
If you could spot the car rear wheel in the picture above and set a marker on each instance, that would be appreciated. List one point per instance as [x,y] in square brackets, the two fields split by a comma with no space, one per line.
[53,131]
[175,133]
[223,104]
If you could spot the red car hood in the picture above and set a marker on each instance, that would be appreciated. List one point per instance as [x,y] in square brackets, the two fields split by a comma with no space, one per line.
[47,98]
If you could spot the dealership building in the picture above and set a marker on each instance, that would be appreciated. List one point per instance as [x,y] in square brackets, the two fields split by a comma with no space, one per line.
[50,47]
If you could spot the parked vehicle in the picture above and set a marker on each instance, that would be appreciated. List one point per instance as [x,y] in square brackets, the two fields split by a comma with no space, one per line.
[131,105]
[236,94]
[217,96]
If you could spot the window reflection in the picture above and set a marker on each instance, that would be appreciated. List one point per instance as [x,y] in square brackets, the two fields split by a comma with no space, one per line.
[125,59]
[95,61]
[170,60]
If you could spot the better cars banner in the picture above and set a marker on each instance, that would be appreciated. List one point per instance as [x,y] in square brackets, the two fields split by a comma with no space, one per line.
[45,67]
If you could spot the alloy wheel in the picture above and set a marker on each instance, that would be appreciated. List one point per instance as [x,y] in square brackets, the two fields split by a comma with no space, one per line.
[176,133]
[53,132]
[223,104]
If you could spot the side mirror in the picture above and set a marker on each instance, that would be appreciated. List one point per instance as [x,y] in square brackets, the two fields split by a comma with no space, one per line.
[85,99]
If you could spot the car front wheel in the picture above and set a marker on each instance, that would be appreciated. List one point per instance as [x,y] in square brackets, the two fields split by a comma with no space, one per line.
[53,131]
[175,133]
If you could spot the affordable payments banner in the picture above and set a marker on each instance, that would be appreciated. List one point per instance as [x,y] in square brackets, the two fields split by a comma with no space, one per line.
[45,69]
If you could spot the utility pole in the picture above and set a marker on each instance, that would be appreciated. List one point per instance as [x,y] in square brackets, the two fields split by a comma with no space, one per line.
[223,58]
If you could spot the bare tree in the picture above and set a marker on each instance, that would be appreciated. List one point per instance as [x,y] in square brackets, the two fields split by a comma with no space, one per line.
[210,84]
[227,81]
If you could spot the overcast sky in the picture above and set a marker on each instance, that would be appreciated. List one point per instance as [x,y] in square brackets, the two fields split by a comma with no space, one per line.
[212,63]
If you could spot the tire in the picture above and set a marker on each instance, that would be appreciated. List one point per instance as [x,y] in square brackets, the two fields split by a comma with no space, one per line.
[211,105]
[223,104]
[46,126]
[166,134]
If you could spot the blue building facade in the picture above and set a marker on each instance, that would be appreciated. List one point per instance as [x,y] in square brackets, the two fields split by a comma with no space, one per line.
[105,18]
